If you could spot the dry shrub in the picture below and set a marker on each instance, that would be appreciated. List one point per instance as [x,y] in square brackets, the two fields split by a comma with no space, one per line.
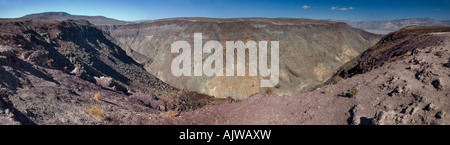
[351,92]
[326,91]
[97,96]
[95,111]
[407,53]
[172,113]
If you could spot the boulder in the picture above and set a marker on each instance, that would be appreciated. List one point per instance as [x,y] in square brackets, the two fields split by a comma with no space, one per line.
[7,51]
[79,73]
[38,57]
[438,84]
[6,54]
[106,82]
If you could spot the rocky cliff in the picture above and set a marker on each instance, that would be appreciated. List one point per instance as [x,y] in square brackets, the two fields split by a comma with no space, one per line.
[47,65]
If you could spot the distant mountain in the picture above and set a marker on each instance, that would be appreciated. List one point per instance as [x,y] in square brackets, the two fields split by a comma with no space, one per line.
[96,20]
[447,22]
[385,27]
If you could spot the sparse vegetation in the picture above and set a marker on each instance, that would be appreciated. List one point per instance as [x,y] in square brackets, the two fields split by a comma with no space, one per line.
[172,113]
[97,96]
[326,91]
[385,63]
[268,91]
[351,92]
[97,112]
[407,53]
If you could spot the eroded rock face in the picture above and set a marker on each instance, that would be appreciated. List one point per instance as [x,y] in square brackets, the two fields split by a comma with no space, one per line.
[39,57]
[35,91]
[310,50]
[78,46]
[7,53]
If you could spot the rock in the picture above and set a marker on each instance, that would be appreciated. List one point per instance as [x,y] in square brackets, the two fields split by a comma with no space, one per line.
[424,74]
[440,114]
[437,84]
[396,91]
[407,88]
[7,54]
[79,73]
[380,117]
[413,110]
[419,97]
[388,118]
[429,107]
[104,81]
[7,51]
[355,117]
[149,100]
[38,57]
[447,65]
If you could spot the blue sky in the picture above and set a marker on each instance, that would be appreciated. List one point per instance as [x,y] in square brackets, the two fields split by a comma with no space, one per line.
[131,10]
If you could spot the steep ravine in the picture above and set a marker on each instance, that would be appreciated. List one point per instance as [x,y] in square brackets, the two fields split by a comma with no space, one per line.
[310,50]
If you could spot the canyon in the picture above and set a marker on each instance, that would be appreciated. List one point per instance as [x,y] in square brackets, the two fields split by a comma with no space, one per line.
[310,50]
[61,69]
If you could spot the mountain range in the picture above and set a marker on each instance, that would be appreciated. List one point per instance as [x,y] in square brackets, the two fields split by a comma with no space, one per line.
[377,27]
[96,20]
[385,27]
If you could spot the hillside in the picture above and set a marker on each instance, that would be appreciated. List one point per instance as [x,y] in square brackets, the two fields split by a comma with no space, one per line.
[390,48]
[310,50]
[51,70]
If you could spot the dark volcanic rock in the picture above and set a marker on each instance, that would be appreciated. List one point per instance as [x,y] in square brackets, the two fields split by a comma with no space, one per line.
[39,57]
